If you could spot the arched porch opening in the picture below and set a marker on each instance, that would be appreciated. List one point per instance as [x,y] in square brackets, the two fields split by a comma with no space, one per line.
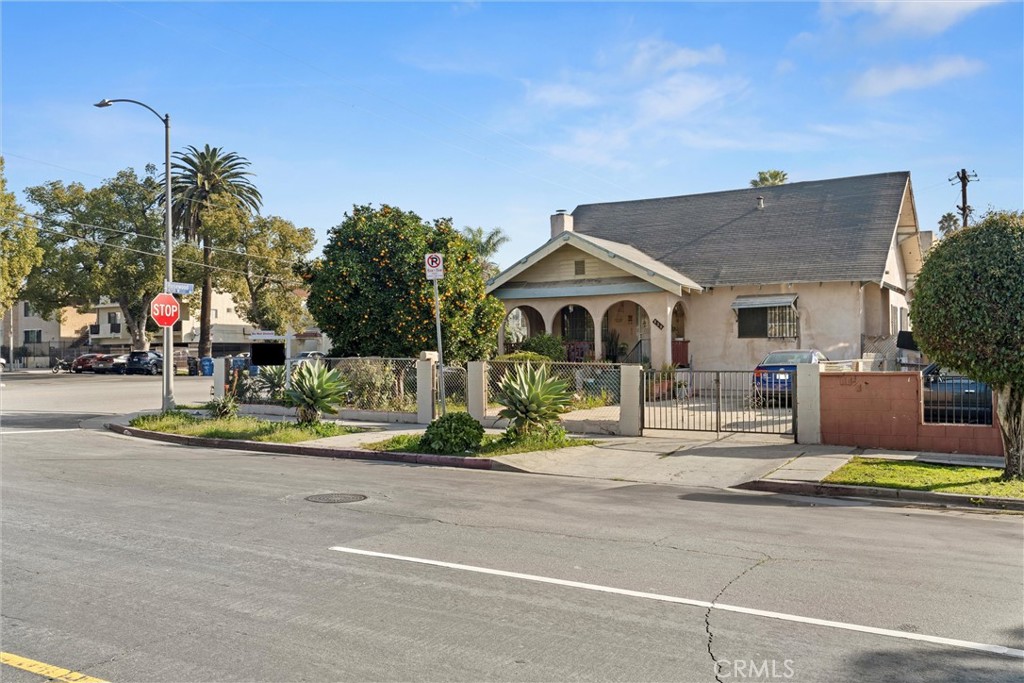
[626,333]
[521,323]
[575,325]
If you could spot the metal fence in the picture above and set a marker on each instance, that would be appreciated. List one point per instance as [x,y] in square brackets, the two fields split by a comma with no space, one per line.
[595,389]
[379,384]
[454,379]
[715,401]
[954,399]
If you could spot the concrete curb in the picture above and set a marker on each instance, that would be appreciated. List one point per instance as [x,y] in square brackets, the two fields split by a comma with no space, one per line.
[894,495]
[315,451]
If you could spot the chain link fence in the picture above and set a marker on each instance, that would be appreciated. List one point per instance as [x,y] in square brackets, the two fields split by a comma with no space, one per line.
[595,389]
[378,384]
[456,386]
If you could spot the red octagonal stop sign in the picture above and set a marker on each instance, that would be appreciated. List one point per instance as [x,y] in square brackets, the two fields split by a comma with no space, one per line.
[165,310]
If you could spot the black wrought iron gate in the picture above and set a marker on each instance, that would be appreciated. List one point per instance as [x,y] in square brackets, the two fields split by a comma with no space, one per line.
[715,401]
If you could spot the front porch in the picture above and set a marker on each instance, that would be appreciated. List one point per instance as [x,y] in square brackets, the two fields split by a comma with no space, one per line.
[626,333]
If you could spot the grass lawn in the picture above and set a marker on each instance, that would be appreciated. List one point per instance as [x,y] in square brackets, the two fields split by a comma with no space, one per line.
[246,428]
[492,445]
[917,476]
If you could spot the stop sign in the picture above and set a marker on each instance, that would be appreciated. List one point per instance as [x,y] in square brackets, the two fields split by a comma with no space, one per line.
[165,310]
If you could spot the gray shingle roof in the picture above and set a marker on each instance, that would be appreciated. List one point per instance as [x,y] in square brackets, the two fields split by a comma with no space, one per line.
[816,231]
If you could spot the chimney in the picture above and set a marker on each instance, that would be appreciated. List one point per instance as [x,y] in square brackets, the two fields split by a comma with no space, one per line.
[561,221]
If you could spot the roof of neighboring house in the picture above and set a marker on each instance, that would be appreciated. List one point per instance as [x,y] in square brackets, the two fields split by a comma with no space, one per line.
[816,231]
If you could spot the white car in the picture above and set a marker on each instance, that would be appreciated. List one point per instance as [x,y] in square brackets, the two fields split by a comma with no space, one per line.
[3,363]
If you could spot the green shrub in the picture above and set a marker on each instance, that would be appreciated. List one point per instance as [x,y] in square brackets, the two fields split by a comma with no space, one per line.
[315,390]
[533,400]
[545,345]
[372,384]
[453,434]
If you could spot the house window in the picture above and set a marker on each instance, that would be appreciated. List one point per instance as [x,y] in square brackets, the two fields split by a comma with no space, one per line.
[771,322]
[27,310]
[581,267]
[112,317]
[33,336]
[894,320]
[904,319]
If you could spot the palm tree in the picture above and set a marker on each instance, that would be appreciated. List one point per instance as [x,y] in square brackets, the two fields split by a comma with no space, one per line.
[199,179]
[486,245]
[766,178]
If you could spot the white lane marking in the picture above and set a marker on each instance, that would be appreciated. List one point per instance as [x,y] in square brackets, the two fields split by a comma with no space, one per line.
[967,644]
[5,432]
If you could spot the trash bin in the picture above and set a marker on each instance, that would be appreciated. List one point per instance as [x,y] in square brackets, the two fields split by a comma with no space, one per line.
[206,365]
[254,370]
[193,366]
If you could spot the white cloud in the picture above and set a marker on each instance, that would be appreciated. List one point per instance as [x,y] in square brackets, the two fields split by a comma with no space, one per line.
[633,97]
[928,17]
[882,81]
[681,95]
[653,57]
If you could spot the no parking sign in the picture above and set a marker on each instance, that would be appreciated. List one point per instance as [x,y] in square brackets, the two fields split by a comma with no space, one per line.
[435,266]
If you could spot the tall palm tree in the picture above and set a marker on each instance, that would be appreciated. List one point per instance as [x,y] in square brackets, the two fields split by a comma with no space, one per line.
[200,179]
[486,245]
[766,178]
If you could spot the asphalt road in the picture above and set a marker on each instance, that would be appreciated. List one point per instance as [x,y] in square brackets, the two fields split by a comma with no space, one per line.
[137,561]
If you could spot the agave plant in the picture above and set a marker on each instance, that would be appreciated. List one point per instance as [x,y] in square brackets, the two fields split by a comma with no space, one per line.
[315,390]
[533,400]
[272,381]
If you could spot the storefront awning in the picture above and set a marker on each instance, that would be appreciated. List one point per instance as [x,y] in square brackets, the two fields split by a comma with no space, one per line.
[763,301]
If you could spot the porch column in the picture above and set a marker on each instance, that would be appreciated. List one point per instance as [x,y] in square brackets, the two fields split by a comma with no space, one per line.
[661,339]
[598,350]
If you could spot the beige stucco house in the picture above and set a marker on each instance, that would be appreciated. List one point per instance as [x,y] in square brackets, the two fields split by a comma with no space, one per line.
[718,280]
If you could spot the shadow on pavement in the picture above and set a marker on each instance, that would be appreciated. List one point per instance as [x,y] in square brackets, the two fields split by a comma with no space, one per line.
[935,663]
[17,421]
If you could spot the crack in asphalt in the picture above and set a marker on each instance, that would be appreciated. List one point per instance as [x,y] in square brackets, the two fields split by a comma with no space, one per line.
[707,614]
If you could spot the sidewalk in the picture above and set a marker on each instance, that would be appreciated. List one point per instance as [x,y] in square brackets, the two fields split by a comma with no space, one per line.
[754,462]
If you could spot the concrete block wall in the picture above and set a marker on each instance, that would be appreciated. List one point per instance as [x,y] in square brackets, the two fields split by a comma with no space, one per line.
[884,410]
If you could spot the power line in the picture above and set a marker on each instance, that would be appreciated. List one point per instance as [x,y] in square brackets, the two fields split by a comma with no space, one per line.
[151,237]
[159,255]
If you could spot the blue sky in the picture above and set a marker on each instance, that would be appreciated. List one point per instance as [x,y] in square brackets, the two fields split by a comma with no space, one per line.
[498,114]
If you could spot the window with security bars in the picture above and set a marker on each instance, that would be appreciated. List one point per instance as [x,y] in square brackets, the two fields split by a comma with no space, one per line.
[774,322]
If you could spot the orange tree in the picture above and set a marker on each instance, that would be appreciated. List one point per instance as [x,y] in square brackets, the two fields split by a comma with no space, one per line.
[369,293]
[968,315]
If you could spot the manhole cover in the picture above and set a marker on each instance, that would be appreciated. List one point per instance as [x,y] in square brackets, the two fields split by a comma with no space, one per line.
[336,498]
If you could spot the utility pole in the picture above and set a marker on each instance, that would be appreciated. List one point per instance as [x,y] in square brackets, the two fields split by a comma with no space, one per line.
[963,177]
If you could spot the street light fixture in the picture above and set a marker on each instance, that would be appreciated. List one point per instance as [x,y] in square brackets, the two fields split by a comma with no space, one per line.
[168,372]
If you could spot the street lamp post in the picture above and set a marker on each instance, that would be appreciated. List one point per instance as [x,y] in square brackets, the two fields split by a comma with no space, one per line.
[168,374]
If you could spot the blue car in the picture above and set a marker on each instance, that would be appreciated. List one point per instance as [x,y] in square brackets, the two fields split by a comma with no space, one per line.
[773,377]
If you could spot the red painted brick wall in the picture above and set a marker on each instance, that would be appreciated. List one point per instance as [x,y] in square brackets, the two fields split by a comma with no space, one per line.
[884,410]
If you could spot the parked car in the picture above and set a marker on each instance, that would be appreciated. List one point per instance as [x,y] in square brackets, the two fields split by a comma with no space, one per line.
[84,362]
[952,398]
[3,363]
[110,363]
[144,363]
[773,376]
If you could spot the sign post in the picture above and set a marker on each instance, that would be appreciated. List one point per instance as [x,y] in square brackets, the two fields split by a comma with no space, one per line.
[435,272]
